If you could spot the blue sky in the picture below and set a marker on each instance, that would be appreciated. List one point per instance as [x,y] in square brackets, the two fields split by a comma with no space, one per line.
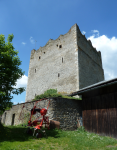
[31,20]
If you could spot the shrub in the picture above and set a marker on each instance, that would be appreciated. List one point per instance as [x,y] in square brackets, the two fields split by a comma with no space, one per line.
[50,91]
[53,93]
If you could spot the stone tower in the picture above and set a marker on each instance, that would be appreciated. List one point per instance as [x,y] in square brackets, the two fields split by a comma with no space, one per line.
[67,64]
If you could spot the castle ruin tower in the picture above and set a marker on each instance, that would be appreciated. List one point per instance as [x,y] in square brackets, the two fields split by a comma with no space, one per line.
[67,64]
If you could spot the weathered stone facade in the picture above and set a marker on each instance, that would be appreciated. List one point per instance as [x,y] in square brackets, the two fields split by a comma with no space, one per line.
[67,64]
[66,111]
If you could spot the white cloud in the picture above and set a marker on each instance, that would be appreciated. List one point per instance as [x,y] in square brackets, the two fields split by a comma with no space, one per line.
[32,40]
[108,48]
[95,31]
[22,82]
[83,32]
[23,43]
[22,101]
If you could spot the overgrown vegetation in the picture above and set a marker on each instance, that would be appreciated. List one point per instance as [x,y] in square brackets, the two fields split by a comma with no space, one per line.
[7,108]
[53,93]
[15,138]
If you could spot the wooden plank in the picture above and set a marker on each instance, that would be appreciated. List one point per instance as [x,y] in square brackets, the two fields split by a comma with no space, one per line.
[103,115]
[115,122]
[113,113]
[93,121]
[85,119]
[90,120]
[115,97]
[84,113]
[99,114]
[98,103]
[84,104]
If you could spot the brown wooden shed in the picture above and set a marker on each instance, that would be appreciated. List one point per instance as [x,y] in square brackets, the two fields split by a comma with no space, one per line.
[99,107]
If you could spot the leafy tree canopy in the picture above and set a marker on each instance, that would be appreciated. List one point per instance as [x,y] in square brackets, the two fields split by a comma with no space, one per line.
[9,72]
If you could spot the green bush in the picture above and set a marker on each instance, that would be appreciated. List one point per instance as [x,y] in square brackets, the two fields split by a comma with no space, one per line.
[8,108]
[50,91]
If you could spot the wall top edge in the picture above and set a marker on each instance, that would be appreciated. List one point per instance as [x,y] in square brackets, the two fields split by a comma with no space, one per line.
[51,41]
[74,28]
[46,99]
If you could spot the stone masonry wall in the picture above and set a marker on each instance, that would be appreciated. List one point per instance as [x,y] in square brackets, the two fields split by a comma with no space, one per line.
[54,66]
[89,62]
[66,111]
[67,64]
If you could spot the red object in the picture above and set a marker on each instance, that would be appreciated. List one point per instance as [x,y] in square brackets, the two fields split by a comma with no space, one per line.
[43,111]
[38,123]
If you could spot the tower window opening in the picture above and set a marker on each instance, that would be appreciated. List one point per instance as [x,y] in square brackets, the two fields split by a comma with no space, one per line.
[35,70]
[60,46]
[35,94]
[44,52]
[57,45]
[58,74]
[62,59]
[39,57]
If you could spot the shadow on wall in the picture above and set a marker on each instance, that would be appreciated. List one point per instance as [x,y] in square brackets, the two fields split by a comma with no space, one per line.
[0,118]
[4,118]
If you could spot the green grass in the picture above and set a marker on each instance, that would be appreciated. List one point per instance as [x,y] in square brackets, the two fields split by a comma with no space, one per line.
[15,138]
[53,93]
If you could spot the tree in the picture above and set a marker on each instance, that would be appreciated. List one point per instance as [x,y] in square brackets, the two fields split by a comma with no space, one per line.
[9,105]
[9,72]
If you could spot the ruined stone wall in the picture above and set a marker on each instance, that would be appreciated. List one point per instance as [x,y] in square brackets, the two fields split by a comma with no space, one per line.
[54,66]
[66,111]
[89,62]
